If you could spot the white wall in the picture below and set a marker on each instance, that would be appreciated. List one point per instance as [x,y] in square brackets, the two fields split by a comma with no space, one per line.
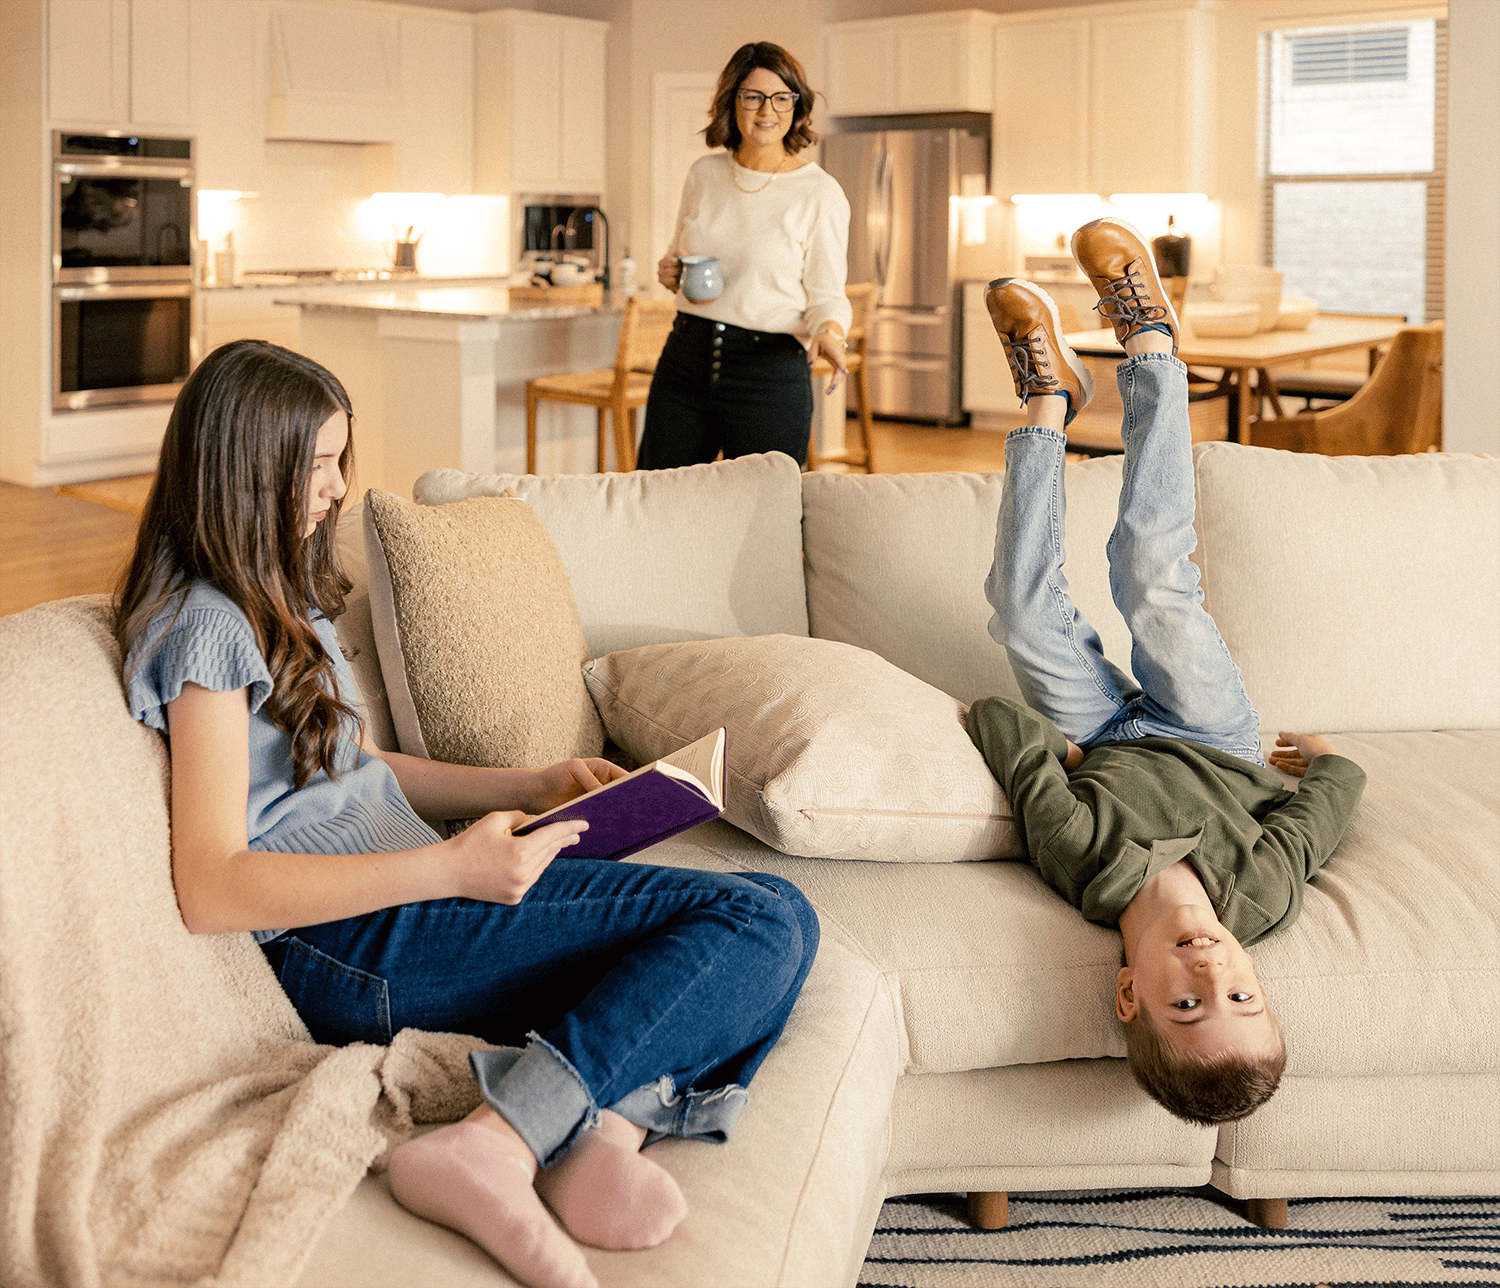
[1471,370]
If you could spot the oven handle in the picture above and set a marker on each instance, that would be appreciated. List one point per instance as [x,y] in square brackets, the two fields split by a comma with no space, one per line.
[120,170]
[125,291]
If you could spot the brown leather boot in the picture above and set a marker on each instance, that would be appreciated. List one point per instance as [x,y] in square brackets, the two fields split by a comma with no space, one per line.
[1026,321]
[1123,271]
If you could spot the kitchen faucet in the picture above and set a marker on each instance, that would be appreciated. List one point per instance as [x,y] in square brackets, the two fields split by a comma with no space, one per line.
[572,232]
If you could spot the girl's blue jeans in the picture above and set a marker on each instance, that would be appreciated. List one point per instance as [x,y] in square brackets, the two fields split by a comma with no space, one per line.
[1186,685]
[655,992]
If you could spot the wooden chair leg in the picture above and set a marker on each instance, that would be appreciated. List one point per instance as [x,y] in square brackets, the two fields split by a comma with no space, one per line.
[862,392]
[531,401]
[989,1209]
[1269,1214]
[600,417]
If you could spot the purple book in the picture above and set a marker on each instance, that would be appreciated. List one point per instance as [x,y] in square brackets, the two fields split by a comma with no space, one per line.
[658,800]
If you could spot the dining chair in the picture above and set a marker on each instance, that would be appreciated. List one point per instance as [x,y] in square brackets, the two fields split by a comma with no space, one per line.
[1399,410]
[614,392]
[1327,384]
[856,344]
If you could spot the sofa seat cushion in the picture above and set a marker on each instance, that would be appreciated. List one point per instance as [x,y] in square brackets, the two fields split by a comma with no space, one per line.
[1394,965]
[831,752]
[790,1200]
[685,554]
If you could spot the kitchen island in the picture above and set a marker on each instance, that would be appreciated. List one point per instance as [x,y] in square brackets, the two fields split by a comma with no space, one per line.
[438,376]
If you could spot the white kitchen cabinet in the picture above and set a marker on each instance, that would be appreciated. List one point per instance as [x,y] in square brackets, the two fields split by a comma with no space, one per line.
[936,62]
[117,63]
[538,103]
[335,74]
[435,145]
[1073,120]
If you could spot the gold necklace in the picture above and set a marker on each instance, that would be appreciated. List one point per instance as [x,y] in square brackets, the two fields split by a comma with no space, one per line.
[734,167]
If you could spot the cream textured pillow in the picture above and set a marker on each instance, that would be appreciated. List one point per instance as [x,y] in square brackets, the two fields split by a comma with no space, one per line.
[832,752]
[478,637]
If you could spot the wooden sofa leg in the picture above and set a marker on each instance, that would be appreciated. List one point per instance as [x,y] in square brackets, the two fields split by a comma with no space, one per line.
[1269,1214]
[989,1209]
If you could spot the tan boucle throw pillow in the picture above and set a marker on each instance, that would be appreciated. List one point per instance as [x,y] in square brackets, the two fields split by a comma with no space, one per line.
[479,639]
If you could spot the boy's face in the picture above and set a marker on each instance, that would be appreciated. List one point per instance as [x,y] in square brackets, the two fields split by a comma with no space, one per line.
[1198,986]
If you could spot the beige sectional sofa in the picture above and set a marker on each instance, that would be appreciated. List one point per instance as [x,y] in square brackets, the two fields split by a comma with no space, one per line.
[957,1032]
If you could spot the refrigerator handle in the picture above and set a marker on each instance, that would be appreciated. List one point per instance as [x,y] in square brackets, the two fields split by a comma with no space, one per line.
[884,195]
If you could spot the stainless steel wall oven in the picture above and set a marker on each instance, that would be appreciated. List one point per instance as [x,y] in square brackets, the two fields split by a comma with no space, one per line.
[124,306]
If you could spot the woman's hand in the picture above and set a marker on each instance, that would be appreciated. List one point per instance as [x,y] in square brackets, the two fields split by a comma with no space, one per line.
[669,271]
[492,864]
[1296,751]
[569,778]
[829,344]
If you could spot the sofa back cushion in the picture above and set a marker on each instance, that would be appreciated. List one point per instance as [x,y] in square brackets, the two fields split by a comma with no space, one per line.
[896,564]
[1356,593]
[665,555]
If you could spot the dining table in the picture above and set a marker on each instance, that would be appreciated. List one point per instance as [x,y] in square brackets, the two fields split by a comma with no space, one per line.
[1243,358]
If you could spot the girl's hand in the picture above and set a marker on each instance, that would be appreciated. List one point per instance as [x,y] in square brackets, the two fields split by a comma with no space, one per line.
[1296,751]
[493,865]
[669,271]
[1074,756]
[570,778]
[830,345]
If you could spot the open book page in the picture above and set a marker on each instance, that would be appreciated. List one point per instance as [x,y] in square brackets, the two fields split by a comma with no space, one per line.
[700,763]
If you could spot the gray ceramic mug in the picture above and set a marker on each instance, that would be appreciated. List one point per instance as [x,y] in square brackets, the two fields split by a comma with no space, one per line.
[701,280]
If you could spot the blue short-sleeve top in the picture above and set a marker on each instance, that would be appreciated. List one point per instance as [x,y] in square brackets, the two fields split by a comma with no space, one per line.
[210,643]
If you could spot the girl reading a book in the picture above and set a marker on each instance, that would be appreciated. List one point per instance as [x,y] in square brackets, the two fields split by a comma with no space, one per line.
[626,1001]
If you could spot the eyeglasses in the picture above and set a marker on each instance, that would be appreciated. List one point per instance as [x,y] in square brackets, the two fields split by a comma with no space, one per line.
[751,99]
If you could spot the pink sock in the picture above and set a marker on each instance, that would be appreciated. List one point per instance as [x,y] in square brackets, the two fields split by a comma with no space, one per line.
[473,1180]
[608,1194]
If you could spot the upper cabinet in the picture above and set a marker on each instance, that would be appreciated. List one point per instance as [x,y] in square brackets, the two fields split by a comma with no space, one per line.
[538,103]
[936,62]
[116,63]
[1079,127]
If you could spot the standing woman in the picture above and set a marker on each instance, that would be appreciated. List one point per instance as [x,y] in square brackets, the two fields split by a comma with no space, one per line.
[733,376]
[625,999]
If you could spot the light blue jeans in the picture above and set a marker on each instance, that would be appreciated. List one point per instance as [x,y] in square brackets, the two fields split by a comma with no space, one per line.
[1188,685]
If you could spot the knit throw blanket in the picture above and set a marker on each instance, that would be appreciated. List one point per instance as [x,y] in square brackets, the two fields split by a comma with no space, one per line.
[164,1116]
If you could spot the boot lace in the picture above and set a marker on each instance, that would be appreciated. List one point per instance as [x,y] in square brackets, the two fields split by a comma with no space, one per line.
[1031,367]
[1127,302]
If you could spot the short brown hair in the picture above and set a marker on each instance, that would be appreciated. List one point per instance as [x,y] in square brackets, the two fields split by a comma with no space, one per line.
[723,130]
[1209,1091]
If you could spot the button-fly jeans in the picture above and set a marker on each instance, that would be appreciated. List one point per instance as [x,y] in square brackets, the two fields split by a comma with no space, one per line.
[1186,685]
[721,388]
[655,992]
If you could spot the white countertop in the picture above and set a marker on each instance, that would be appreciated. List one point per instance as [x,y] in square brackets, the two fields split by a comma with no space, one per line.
[491,303]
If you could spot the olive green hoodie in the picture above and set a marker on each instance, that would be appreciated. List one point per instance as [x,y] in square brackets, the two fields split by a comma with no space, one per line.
[1132,808]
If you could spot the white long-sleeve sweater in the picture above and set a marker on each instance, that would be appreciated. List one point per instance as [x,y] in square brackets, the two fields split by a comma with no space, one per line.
[783,250]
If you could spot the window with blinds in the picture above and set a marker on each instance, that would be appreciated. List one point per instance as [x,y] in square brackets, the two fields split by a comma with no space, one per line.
[1354,183]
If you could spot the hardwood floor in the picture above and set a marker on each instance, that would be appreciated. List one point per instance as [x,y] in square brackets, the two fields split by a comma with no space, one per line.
[54,543]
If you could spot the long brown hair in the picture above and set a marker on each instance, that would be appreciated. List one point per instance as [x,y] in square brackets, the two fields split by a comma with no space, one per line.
[723,130]
[228,507]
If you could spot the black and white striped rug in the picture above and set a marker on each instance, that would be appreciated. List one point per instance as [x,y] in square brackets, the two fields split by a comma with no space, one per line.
[1183,1239]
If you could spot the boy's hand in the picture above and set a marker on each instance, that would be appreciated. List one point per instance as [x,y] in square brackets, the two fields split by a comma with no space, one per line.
[1296,751]
[1074,758]
[569,778]
[493,865]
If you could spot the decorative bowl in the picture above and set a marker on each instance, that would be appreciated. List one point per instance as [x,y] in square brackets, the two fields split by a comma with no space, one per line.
[1221,320]
[1297,312]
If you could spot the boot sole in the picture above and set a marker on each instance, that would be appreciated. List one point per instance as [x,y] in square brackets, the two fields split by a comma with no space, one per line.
[1148,260]
[1080,372]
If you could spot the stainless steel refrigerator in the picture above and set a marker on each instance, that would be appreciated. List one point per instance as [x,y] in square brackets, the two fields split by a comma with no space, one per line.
[900,174]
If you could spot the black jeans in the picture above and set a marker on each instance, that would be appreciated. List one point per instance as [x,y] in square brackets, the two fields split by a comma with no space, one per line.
[721,388]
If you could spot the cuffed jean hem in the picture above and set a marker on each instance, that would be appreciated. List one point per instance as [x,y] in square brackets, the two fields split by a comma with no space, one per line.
[697,1115]
[538,1092]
